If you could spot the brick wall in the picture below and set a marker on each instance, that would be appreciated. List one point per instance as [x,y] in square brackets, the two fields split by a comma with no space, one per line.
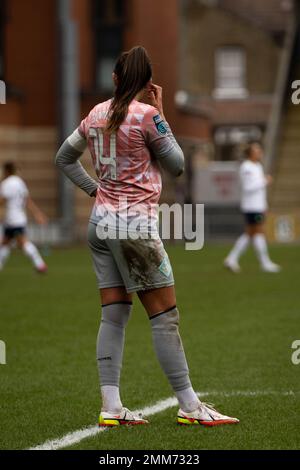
[206,29]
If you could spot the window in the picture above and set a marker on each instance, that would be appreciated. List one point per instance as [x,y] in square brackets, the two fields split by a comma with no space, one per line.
[108,24]
[2,25]
[230,73]
[229,139]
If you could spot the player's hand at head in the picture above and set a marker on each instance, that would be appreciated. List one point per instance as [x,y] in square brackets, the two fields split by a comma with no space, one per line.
[155,96]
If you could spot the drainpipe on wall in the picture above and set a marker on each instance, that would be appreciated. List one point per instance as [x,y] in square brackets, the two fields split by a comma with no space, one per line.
[68,105]
[275,119]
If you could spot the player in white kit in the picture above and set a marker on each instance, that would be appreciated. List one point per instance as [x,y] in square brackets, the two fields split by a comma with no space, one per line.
[14,195]
[254,205]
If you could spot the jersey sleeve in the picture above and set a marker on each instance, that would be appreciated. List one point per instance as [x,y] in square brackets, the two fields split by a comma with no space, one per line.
[85,124]
[162,143]
[67,159]
[77,140]
[83,128]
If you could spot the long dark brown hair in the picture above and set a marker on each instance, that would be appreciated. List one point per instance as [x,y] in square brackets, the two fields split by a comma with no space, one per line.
[133,71]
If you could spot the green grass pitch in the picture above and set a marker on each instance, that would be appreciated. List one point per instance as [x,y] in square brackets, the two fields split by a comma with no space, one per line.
[237,332]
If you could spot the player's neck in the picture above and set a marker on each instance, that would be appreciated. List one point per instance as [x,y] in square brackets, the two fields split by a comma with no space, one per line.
[139,96]
[253,160]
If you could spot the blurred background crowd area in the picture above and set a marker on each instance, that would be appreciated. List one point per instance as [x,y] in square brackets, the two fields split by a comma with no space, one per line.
[226,68]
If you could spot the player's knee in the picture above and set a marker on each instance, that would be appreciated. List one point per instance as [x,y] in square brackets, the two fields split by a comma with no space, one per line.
[25,245]
[117,313]
[169,319]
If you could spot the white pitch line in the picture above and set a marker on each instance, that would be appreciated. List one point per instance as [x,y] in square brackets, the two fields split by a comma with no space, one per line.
[77,436]
[162,405]
[69,439]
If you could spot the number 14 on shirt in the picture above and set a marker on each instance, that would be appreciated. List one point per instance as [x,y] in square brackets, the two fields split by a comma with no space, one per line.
[96,134]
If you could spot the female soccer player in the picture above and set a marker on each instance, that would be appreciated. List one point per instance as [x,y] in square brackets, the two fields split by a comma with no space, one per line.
[253,205]
[129,141]
[15,197]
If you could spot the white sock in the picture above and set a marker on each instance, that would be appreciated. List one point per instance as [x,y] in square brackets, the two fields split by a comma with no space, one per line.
[31,251]
[239,247]
[188,399]
[111,401]
[4,254]
[261,249]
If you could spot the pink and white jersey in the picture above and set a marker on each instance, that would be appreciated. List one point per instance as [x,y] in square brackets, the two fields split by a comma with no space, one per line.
[125,161]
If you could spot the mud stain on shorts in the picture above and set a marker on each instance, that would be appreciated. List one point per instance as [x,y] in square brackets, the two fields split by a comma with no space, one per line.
[142,257]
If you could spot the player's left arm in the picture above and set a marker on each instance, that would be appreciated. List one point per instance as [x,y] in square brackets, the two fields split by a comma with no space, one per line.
[249,181]
[67,160]
[162,143]
[159,136]
[37,213]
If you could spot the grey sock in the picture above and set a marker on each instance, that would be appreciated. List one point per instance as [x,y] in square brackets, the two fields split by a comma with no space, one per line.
[110,341]
[169,349]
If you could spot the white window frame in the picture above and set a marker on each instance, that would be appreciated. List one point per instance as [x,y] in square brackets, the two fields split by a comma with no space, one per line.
[230,73]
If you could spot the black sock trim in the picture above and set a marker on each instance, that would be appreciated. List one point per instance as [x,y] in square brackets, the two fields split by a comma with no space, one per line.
[162,313]
[121,302]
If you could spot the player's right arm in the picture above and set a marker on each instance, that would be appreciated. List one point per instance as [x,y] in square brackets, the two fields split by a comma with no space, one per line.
[67,160]
[159,136]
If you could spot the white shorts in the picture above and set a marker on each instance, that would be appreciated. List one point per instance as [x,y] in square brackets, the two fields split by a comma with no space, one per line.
[137,265]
